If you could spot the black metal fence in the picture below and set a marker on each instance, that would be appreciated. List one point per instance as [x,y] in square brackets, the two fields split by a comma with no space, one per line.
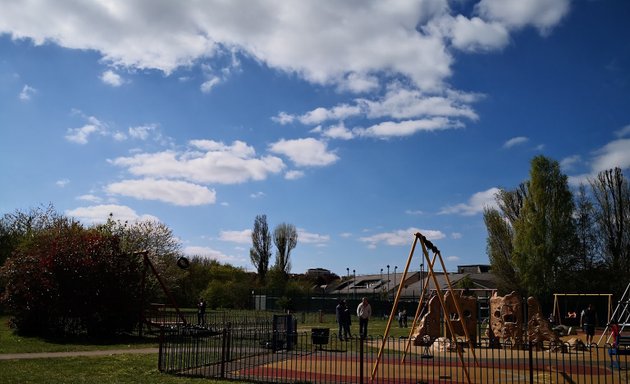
[316,355]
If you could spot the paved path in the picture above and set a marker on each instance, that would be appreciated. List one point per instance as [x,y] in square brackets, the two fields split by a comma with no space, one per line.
[43,355]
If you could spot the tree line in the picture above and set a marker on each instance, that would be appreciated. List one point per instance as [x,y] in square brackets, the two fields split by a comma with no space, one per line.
[61,277]
[543,238]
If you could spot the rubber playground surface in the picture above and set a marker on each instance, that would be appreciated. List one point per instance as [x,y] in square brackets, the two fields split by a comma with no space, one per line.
[491,366]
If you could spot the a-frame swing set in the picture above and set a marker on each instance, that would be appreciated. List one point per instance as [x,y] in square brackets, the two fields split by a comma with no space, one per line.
[427,245]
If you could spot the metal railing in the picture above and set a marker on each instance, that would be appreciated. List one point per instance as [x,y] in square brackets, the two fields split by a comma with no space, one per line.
[254,354]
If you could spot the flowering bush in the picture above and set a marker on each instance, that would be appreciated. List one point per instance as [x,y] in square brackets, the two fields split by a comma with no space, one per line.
[68,279]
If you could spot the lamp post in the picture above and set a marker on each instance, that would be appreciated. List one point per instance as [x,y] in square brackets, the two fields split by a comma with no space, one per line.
[395,268]
[348,290]
[381,286]
[387,281]
[354,281]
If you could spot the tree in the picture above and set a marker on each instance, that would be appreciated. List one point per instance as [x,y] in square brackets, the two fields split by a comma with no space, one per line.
[163,250]
[285,237]
[19,224]
[500,251]
[544,232]
[260,253]
[70,280]
[612,204]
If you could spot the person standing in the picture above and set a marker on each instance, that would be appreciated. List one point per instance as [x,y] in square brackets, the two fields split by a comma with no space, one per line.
[588,321]
[339,315]
[201,312]
[364,311]
[346,321]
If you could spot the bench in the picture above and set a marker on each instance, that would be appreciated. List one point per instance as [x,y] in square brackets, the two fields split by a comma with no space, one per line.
[622,348]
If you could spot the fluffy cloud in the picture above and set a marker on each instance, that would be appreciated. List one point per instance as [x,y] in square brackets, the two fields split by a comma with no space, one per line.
[175,192]
[312,238]
[213,254]
[407,127]
[100,214]
[543,14]
[614,154]
[82,134]
[206,161]
[27,93]
[240,237]
[476,204]
[400,237]
[110,77]
[305,152]
[296,37]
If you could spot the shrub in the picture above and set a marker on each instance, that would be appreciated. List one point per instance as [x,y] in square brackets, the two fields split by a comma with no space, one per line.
[71,280]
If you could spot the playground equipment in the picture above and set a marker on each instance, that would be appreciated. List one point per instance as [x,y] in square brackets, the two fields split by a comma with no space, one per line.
[148,265]
[571,315]
[621,314]
[427,245]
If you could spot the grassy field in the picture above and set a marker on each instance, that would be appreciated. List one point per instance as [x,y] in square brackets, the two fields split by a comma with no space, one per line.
[125,368]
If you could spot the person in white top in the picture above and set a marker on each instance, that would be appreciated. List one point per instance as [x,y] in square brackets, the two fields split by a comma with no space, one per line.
[364,311]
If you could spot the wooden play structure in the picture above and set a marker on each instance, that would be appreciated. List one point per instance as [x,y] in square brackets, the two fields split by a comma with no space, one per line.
[454,308]
[571,315]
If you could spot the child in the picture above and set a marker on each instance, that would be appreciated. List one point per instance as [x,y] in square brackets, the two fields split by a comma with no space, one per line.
[614,333]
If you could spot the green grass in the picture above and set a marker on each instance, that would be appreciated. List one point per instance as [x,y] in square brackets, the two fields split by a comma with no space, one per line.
[125,368]
[11,342]
[98,370]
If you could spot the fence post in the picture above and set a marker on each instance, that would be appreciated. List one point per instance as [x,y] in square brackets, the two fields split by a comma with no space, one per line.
[361,340]
[161,350]
[531,363]
[223,351]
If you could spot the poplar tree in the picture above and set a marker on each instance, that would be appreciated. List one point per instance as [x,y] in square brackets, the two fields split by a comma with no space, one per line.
[544,234]
[260,252]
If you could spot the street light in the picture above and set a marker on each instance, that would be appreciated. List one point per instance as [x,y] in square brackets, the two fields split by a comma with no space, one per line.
[387,281]
[395,268]
[348,274]
[354,281]
[381,285]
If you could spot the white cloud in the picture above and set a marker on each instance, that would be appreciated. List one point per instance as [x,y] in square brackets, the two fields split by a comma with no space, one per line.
[27,93]
[174,192]
[400,237]
[614,154]
[456,235]
[359,83]
[240,237]
[82,135]
[212,254]
[295,37]
[407,127]
[293,175]
[257,195]
[110,77]
[623,132]
[414,212]
[209,84]
[100,214]
[477,35]
[515,141]
[338,112]
[312,238]
[142,132]
[305,152]
[91,198]
[475,205]
[569,162]
[338,131]
[206,161]
[62,183]
[283,118]
[515,14]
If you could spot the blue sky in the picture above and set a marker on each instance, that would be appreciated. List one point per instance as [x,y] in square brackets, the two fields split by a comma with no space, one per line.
[360,122]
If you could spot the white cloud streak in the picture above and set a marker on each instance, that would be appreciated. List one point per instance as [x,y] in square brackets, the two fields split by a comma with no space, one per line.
[475,205]
[400,237]
[100,213]
[169,191]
